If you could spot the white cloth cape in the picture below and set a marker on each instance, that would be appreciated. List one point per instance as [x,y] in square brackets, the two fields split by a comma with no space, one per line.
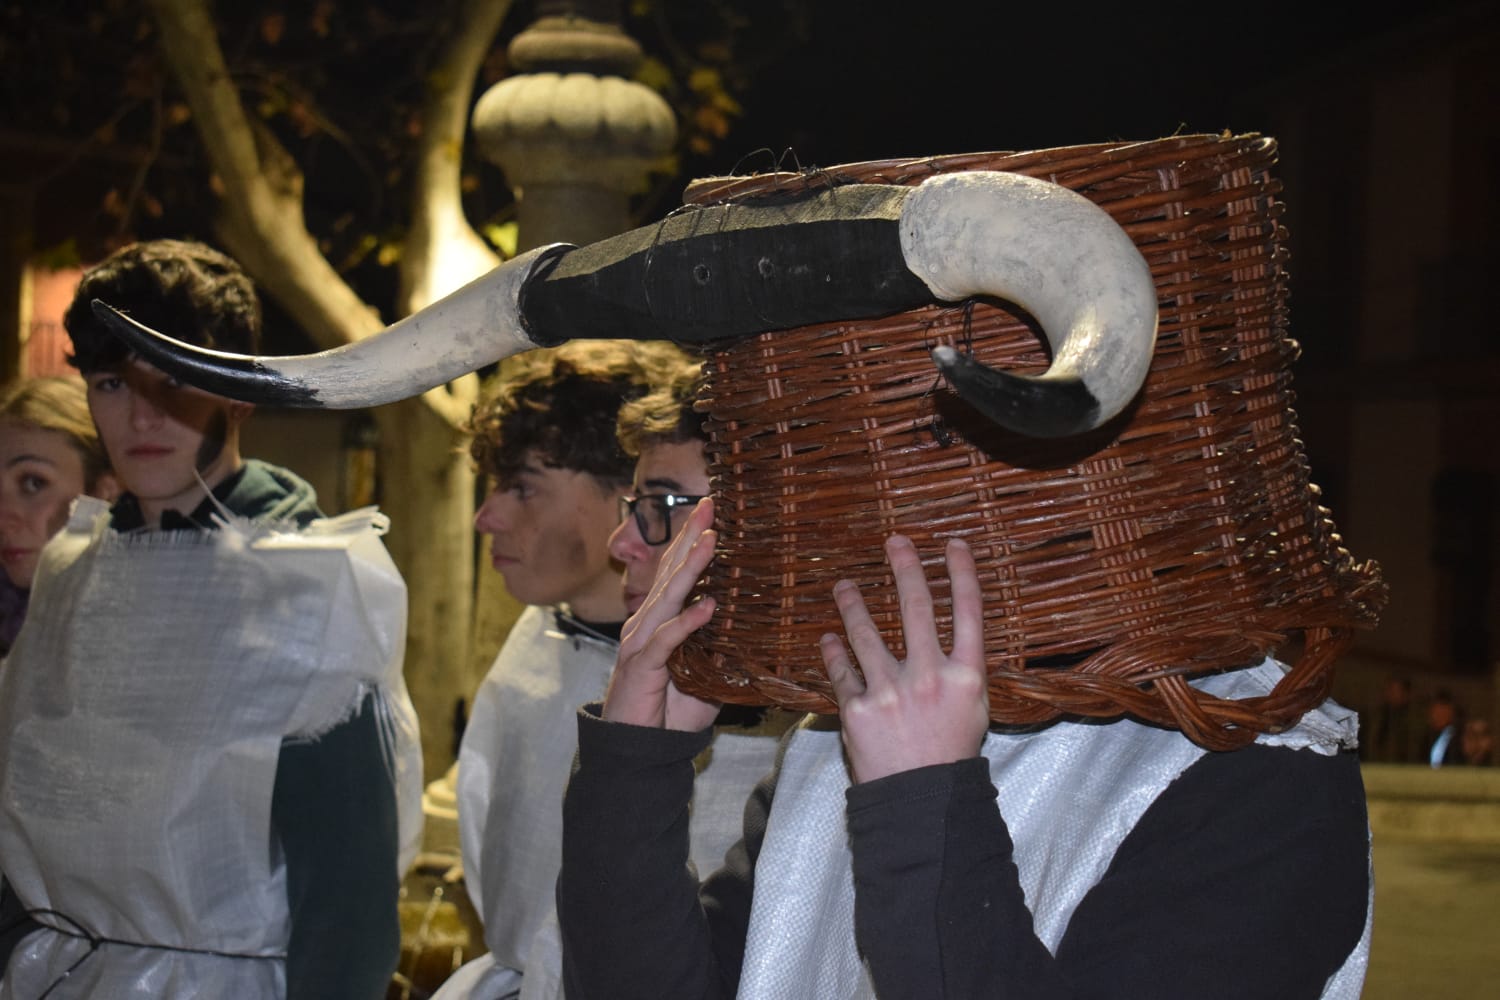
[1069,795]
[143,710]
[513,768]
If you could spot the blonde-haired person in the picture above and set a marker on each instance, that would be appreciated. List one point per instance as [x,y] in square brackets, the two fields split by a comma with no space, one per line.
[49,455]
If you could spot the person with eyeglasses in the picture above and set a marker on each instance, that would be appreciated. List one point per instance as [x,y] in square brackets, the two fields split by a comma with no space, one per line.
[664,431]
[665,435]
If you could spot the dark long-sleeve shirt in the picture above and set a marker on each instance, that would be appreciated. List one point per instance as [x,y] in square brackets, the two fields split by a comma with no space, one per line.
[1247,877]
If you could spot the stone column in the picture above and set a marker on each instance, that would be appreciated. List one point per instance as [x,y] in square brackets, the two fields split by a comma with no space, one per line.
[576,139]
[574,135]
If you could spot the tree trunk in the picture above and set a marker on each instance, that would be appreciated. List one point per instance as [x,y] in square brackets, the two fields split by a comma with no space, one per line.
[427,488]
[15,255]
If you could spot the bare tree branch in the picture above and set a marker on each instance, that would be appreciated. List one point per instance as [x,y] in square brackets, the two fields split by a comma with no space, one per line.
[441,250]
[261,220]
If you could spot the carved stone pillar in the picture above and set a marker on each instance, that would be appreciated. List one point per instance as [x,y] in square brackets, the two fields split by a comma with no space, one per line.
[575,138]
[574,135]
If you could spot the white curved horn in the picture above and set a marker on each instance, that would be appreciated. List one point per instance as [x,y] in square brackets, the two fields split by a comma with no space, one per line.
[1062,258]
[462,332]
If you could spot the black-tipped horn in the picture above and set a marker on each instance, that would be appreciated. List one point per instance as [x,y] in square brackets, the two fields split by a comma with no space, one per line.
[727,271]
[476,326]
[1063,258]
[1038,406]
[216,371]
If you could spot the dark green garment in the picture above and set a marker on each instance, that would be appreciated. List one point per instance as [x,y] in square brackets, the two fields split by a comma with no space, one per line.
[333,807]
[258,490]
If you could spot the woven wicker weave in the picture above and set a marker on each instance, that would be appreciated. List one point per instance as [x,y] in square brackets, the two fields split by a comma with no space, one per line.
[1182,538]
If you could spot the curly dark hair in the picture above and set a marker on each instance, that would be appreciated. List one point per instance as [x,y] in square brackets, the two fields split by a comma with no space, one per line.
[182,288]
[561,405]
[668,414]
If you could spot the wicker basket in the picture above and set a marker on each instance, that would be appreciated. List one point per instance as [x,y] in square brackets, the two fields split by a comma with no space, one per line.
[1182,538]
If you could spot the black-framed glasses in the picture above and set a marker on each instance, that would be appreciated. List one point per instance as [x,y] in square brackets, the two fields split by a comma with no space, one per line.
[653,514]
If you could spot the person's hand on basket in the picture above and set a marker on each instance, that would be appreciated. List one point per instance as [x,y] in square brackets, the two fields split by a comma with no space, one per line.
[641,690]
[932,707]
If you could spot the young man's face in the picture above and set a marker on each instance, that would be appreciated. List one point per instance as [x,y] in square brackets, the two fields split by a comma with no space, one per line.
[677,469]
[162,436]
[549,537]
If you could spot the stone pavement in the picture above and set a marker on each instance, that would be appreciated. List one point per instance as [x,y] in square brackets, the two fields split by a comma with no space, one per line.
[1437,922]
[1437,883]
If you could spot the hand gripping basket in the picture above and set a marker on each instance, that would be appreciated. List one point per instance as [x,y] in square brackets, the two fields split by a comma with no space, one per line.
[1182,538]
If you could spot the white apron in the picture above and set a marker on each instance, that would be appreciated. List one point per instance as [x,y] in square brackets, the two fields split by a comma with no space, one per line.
[513,768]
[143,711]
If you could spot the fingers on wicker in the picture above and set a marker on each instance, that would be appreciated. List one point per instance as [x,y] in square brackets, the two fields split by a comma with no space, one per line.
[875,660]
[671,633]
[968,603]
[689,555]
[699,521]
[917,622]
[846,682]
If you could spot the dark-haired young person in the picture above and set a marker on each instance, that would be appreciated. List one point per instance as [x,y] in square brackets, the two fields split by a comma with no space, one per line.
[544,439]
[664,432]
[205,730]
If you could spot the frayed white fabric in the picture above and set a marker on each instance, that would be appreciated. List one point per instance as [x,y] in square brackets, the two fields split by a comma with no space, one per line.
[1101,777]
[513,766]
[142,746]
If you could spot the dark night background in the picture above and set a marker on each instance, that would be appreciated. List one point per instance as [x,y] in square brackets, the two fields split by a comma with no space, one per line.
[873,81]
[820,82]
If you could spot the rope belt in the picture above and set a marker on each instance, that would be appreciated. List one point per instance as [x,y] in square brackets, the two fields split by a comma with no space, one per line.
[69,927]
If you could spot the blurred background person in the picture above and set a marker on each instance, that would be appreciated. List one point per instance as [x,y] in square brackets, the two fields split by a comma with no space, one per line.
[544,440]
[1445,721]
[230,797]
[1395,734]
[1478,743]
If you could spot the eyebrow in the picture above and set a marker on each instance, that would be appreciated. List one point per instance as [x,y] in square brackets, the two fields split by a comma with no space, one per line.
[526,472]
[18,459]
[662,483]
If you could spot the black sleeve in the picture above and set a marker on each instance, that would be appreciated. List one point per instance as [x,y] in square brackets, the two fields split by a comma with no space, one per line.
[1248,877]
[1258,860]
[334,809]
[634,923]
[14,924]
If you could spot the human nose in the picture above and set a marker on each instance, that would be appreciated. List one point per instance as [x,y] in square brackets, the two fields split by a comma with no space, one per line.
[144,411]
[625,542]
[10,509]
[490,518]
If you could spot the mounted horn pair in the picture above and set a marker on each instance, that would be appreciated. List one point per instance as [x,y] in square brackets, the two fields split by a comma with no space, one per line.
[717,273]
